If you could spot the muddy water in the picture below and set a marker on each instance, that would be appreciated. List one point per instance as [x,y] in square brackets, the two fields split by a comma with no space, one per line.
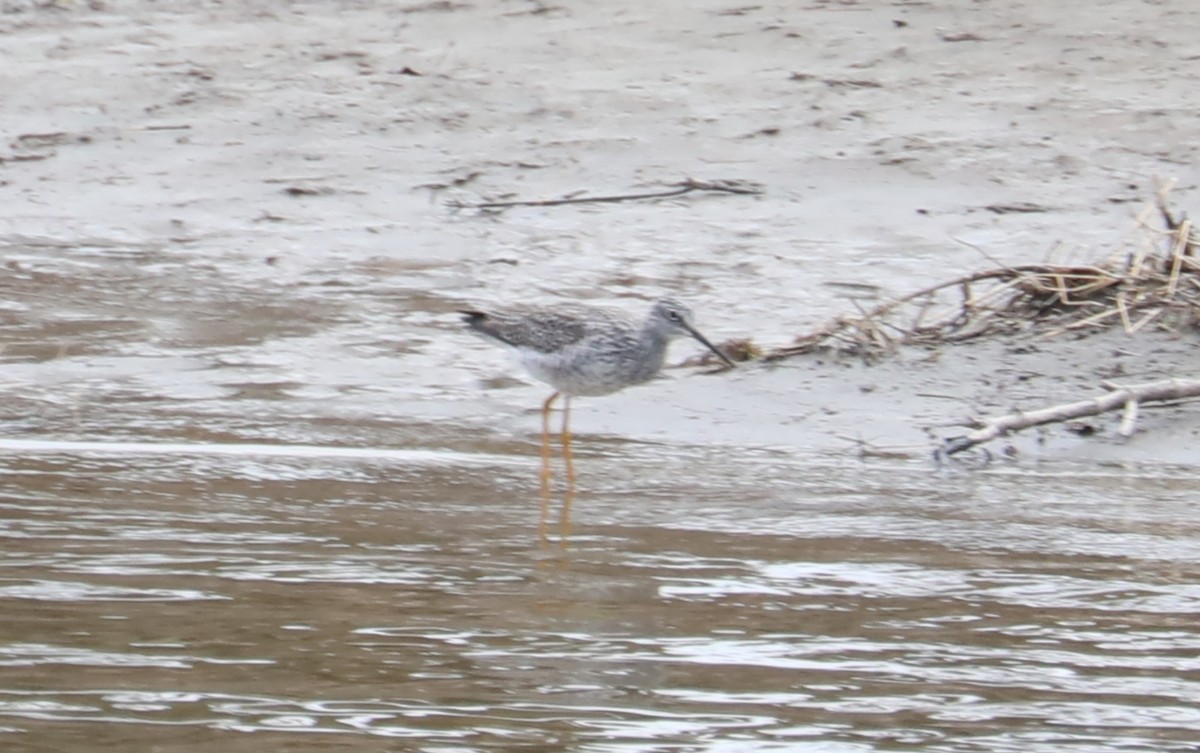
[272,599]
[244,512]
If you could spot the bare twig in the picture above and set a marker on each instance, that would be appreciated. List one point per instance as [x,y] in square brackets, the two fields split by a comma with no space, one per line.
[1180,226]
[1129,419]
[687,186]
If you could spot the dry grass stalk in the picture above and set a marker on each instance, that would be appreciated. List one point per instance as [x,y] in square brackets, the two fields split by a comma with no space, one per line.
[1159,281]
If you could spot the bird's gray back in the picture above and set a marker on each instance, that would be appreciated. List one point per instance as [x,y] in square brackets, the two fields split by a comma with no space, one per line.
[549,329]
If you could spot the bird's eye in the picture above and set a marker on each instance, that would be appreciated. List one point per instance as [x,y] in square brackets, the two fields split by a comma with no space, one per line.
[674,315]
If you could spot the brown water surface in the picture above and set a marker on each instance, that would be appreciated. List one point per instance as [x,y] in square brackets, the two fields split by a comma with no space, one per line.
[289,598]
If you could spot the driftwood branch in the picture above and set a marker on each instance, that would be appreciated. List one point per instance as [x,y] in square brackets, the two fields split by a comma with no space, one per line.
[687,186]
[1127,398]
[1040,284]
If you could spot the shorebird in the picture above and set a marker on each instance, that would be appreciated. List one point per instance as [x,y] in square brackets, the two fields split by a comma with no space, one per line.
[583,351]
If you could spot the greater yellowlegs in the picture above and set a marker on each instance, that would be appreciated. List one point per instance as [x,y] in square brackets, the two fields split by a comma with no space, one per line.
[585,350]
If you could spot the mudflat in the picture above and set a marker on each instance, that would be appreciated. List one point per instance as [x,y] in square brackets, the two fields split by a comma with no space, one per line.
[210,204]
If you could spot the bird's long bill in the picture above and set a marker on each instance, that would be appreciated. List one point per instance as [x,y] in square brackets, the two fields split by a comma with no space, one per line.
[696,334]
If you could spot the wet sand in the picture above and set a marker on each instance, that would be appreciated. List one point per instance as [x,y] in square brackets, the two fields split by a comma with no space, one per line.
[256,175]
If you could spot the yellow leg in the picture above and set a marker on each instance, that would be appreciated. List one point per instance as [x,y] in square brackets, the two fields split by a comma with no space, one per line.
[545,474]
[565,436]
[564,521]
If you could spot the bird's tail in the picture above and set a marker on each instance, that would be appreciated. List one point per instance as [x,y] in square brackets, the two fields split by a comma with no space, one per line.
[473,319]
[482,323]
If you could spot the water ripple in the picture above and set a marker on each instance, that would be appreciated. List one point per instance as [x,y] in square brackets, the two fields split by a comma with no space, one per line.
[36,654]
[71,591]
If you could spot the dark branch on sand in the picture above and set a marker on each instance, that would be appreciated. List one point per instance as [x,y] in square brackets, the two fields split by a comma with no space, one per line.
[687,186]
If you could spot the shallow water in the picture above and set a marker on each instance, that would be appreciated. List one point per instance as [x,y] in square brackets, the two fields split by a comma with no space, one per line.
[304,599]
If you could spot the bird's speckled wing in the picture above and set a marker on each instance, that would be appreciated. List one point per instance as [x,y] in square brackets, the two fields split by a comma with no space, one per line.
[544,329]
